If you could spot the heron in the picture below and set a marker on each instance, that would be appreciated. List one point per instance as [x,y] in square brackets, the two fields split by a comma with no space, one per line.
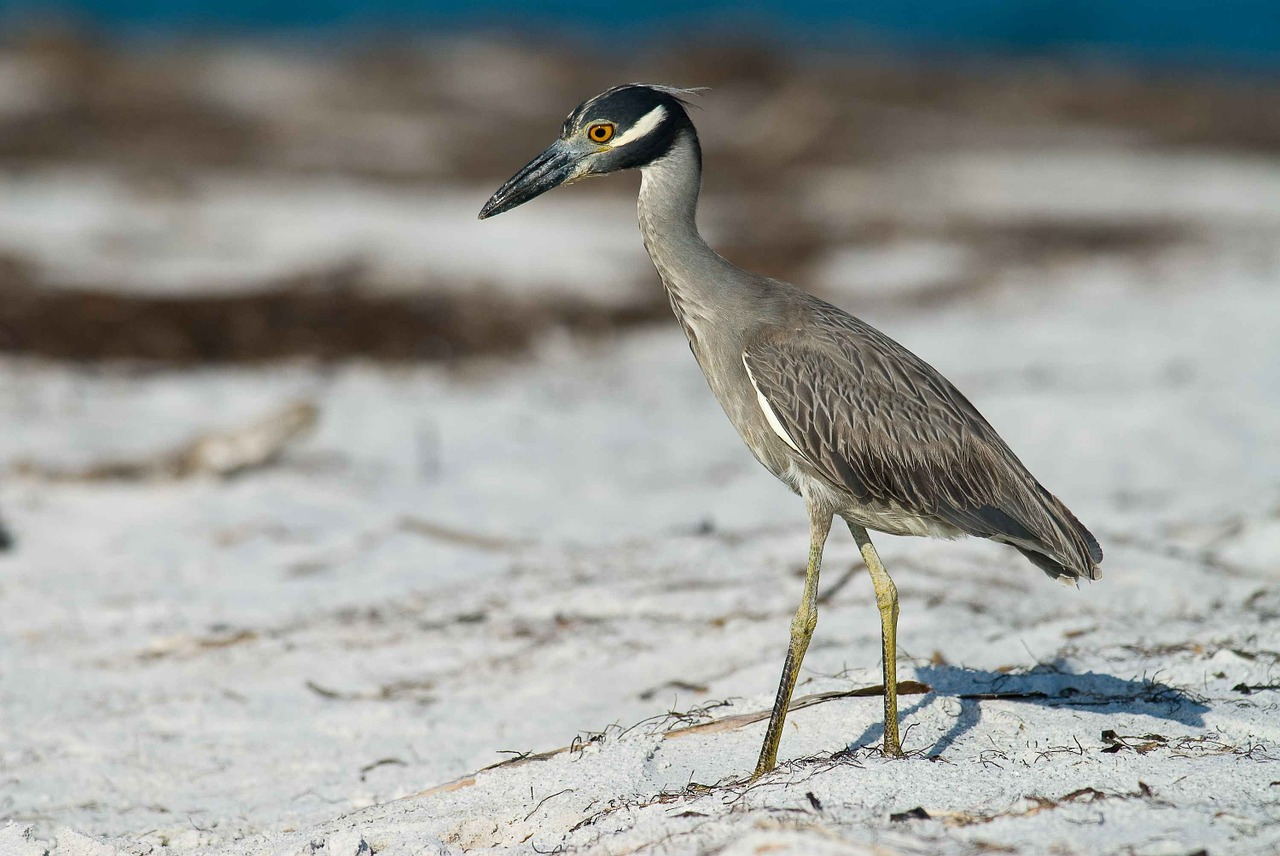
[854,423]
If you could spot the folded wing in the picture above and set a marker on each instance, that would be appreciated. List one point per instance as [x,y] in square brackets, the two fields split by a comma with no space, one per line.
[875,419]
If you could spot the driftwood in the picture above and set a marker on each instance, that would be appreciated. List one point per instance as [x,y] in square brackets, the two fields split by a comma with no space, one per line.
[221,454]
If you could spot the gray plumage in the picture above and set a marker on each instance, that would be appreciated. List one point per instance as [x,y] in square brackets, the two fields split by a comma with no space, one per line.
[881,437]
[852,421]
[901,446]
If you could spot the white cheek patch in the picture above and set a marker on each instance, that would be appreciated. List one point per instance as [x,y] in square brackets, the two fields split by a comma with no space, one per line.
[769,415]
[647,123]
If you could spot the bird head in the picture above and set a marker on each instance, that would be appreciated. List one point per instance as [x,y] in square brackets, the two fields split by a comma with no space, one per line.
[622,128]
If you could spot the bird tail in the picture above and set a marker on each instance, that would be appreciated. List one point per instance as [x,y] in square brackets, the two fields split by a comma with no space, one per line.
[1075,554]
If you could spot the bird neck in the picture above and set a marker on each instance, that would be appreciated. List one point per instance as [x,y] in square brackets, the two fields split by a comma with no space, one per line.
[695,276]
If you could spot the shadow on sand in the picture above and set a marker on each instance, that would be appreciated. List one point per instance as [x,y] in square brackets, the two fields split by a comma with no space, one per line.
[1047,685]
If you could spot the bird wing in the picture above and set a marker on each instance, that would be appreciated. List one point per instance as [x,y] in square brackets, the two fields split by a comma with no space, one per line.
[874,418]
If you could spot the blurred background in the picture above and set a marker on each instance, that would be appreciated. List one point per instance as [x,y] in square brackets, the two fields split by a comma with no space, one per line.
[282,426]
[193,182]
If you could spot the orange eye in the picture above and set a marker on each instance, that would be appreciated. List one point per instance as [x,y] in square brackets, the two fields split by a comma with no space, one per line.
[600,133]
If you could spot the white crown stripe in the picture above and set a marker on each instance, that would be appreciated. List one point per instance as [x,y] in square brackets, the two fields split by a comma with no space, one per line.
[647,123]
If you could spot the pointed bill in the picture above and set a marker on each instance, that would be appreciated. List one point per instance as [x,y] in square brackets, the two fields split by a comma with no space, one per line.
[549,170]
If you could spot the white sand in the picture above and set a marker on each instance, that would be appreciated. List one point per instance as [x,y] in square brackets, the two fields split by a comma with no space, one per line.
[574,549]
[243,667]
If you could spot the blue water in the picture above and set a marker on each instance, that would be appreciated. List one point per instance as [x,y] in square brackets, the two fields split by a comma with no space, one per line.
[1240,31]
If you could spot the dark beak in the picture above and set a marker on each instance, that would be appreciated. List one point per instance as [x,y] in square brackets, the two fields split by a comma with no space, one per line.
[548,170]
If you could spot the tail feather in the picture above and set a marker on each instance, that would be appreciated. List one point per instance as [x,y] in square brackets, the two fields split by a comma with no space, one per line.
[1075,553]
[1040,527]
[1054,569]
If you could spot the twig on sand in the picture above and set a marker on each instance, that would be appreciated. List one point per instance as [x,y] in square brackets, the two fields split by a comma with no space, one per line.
[381,762]
[729,723]
[836,587]
[460,537]
[1038,804]
[715,726]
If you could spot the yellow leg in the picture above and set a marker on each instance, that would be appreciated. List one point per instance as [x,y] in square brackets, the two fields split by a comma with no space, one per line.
[801,632]
[887,601]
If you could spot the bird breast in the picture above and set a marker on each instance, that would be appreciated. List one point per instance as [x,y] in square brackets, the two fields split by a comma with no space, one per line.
[733,388]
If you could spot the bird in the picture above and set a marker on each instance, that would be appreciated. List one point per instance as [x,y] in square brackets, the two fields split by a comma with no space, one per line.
[850,420]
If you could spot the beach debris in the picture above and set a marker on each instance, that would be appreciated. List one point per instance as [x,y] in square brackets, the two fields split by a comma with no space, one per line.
[219,454]
[1140,744]
[715,726]
[1038,804]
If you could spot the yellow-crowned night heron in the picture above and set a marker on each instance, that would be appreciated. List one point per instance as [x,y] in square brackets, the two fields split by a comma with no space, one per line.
[850,420]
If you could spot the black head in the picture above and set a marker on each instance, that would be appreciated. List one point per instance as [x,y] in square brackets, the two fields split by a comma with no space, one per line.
[622,128]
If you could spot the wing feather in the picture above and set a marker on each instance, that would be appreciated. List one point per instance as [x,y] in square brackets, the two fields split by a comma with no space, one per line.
[875,419]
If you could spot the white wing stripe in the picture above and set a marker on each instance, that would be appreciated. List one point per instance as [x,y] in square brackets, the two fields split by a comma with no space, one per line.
[647,123]
[769,415]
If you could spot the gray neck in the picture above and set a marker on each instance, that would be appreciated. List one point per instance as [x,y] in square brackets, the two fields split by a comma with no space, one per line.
[702,285]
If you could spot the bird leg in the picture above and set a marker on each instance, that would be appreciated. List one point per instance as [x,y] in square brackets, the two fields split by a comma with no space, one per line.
[887,601]
[802,625]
